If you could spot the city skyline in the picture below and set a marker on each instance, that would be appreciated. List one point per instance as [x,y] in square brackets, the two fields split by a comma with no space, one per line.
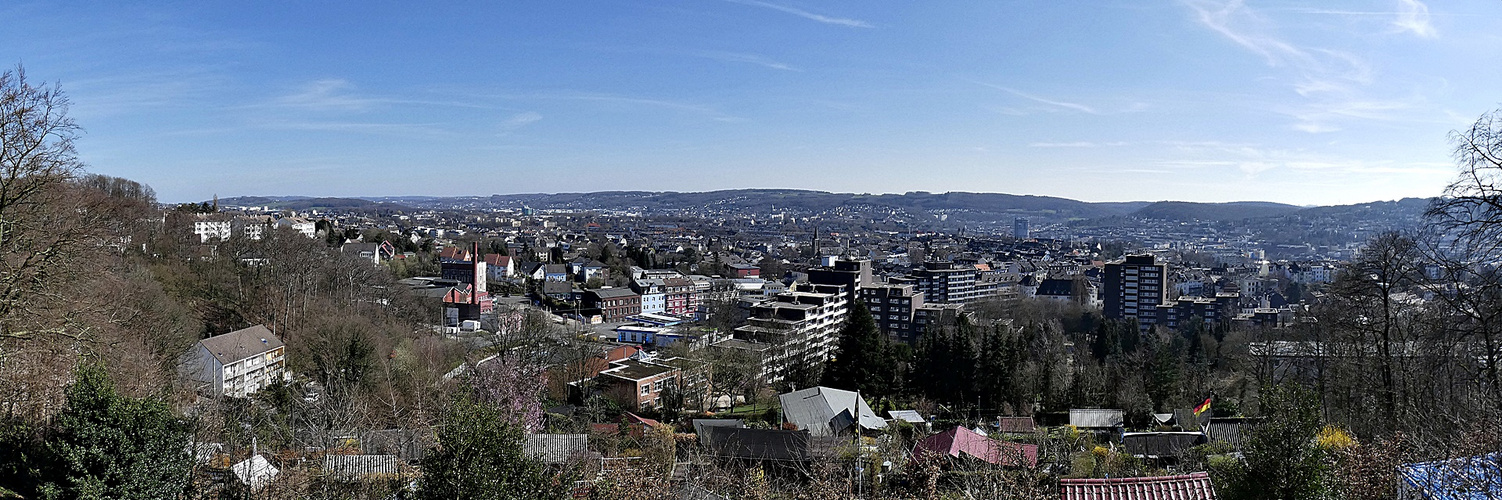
[1112,101]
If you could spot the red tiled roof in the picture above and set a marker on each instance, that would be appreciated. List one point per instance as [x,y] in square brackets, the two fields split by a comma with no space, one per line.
[1194,486]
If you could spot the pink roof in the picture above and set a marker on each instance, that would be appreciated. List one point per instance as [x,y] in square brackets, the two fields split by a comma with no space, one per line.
[960,440]
[1194,486]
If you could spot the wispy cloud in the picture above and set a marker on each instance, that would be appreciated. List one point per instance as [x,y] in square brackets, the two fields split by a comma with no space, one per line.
[519,120]
[841,21]
[337,94]
[743,58]
[327,94]
[1051,102]
[1414,17]
[708,111]
[1078,144]
[1332,82]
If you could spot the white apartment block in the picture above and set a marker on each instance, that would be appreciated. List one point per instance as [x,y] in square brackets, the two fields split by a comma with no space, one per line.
[299,224]
[238,363]
[211,229]
[802,325]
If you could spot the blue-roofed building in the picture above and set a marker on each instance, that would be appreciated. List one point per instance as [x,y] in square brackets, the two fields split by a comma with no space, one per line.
[1478,477]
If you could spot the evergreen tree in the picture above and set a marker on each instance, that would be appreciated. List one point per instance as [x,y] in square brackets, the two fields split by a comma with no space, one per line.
[480,456]
[864,360]
[102,445]
[1282,459]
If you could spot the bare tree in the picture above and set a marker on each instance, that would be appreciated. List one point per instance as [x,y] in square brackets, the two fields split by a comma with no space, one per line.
[1471,207]
[37,161]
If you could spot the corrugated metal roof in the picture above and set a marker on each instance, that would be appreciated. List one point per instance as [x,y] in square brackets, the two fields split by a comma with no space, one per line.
[357,467]
[1194,486]
[1093,418]
[555,448]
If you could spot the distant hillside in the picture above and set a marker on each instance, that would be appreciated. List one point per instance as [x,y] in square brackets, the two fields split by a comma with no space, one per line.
[1190,211]
[306,203]
[817,201]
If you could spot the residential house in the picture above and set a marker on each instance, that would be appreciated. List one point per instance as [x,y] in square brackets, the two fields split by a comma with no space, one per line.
[745,271]
[615,304]
[653,299]
[499,266]
[238,363]
[681,297]
[252,227]
[374,252]
[555,272]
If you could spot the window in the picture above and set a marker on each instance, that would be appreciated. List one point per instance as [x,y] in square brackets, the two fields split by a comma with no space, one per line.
[646,389]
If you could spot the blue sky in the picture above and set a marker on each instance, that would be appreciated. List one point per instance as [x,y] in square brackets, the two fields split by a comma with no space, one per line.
[1200,100]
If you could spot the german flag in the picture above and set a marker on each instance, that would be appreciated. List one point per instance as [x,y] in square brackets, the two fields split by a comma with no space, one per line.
[1203,407]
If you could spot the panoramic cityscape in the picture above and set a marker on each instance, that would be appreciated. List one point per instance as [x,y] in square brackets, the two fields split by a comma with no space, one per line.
[746,249]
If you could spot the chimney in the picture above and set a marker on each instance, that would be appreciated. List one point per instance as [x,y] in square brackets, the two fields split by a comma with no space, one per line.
[474,283]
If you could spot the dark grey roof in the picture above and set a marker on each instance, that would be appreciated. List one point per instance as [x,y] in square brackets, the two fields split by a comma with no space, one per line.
[240,344]
[556,448]
[1161,444]
[1232,431]
[768,444]
[1056,287]
[701,423]
[613,293]
[557,287]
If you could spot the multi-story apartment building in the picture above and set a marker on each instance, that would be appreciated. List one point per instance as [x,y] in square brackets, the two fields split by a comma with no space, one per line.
[949,283]
[1219,309]
[252,227]
[893,307]
[212,227]
[239,363]
[1134,287]
[681,297]
[848,272]
[802,325]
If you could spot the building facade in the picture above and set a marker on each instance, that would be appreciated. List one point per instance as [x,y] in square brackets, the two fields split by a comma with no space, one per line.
[1134,287]
[802,325]
[238,363]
